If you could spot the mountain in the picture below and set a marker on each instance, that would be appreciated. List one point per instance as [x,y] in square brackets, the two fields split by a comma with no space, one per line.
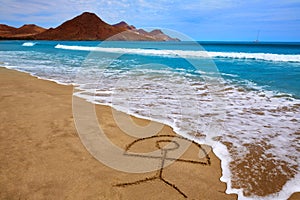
[124,26]
[87,26]
[4,29]
[29,29]
[159,35]
[25,31]
[155,35]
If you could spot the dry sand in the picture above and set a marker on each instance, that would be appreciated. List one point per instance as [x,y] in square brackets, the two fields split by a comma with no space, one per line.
[42,157]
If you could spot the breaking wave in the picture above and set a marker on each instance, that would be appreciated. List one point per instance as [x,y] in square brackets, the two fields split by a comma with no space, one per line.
[189,54]
[28,44]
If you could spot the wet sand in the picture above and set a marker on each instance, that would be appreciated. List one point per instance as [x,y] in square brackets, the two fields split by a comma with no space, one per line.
[42,156]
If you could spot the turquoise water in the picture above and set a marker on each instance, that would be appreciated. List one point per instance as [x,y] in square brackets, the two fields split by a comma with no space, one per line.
[266,64]
[250,90]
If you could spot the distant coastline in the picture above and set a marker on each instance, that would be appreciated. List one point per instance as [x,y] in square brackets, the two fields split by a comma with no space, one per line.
[85,27]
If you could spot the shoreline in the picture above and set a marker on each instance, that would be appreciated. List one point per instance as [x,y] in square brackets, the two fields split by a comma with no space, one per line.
[65,89]
[44,157]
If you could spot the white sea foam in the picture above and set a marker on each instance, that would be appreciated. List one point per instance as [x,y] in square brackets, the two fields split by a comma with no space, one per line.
[28,44]
[189,54]
[248,117]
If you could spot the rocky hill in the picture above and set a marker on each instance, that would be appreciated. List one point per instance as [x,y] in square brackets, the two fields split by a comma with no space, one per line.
[25,31]
[87,26]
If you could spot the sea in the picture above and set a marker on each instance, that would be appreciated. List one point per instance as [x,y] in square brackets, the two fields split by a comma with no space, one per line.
[242,98]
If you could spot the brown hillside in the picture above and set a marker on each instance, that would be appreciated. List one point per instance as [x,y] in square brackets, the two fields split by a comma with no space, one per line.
[29,29]
[86,26]
[6,30]
[25,31]
[124,25]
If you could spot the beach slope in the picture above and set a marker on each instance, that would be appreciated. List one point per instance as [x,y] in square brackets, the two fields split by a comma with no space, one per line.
[42,157]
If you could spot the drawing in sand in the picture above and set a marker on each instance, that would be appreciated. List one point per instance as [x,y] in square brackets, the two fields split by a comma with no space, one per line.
[166,144]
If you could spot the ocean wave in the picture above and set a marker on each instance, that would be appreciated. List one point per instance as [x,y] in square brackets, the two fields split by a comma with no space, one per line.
[257,56]
[188,54]
[28,44]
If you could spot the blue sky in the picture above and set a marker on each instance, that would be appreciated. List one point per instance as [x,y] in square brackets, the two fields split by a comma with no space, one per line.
[212,20]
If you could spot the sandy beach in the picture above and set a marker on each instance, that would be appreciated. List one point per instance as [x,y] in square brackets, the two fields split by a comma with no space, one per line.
[42,156]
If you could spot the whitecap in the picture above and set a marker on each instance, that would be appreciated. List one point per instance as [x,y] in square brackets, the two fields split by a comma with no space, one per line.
[188,54]
[28,44]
